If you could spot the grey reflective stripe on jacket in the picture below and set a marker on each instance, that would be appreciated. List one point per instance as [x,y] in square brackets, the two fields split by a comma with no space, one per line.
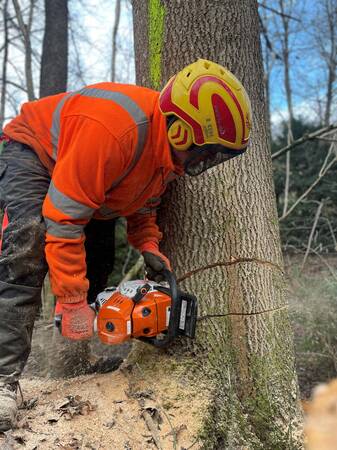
[65,204]
[69,207]
[63,230]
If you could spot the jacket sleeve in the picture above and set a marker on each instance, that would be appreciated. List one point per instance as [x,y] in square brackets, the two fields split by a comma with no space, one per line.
[88,161]
[142,226]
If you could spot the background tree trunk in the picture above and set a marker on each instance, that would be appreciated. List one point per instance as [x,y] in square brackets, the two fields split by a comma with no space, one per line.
[4,64]
[114,39]
[285,33]
[243,354]
[54,62]
[26,37]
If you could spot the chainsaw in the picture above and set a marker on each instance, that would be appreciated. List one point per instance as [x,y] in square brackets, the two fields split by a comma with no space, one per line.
[152,312]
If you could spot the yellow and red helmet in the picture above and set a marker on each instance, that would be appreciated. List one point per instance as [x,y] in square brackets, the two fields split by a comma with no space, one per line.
[208,105]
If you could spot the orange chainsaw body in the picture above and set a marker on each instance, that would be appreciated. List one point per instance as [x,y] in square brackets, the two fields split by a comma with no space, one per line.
[122,315]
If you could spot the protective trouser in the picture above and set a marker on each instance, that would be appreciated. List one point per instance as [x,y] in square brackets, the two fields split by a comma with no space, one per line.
[24,183]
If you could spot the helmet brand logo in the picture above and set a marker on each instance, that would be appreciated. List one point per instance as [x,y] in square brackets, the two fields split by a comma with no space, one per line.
[248,123]
[208,128]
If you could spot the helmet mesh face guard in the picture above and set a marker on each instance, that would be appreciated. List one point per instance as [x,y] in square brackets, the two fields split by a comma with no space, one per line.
[206,157]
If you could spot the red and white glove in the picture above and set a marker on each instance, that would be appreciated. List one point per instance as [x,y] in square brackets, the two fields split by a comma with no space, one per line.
[155,261]
[76,320]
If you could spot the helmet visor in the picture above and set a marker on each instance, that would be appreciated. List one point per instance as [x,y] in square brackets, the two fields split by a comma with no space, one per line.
[204,157]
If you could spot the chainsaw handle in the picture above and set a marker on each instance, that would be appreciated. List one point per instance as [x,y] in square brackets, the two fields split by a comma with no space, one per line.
[174,313]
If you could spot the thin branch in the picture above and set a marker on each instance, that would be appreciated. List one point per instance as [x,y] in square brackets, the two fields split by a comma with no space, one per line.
[127,260]
[326,139]
[325,167]
[266,38]
[312,232]
[332,232]
[4,66]
[79,71]
[134,270]
[304,138]
[331,270]
[279,13]
[28,50]
[18,86]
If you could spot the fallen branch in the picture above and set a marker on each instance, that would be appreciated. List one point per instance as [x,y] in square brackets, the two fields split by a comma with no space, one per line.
[304,138]
[331,270]
[134,270]
[152,428]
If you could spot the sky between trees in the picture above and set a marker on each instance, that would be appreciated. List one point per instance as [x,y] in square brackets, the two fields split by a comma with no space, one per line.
[90,51]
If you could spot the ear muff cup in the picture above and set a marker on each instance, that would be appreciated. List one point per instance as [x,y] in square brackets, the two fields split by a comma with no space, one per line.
[179,135]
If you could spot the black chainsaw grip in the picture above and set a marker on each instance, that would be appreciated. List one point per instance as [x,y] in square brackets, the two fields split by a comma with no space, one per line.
[172,330]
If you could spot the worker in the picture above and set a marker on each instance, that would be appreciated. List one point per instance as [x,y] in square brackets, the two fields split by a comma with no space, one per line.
[74,162]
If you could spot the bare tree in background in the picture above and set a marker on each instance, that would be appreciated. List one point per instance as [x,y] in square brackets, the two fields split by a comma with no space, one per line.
[54,62]
[325,37]
[268,53]
[4,64]
[114,39]
[26,36]
[285,48]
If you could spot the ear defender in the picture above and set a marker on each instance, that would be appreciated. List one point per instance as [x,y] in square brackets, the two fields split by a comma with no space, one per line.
[180,135]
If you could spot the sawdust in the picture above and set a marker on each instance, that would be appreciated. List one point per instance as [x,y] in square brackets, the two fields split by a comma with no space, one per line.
[116,411]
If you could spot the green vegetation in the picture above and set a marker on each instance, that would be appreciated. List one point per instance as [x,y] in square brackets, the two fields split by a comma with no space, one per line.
[313,309]
[306,163]
[125,255]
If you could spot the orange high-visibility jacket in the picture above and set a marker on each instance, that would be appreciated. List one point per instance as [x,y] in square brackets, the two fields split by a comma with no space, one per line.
[106,149]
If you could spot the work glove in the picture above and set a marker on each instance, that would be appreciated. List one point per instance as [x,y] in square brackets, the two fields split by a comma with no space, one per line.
[76,320]
[155,262]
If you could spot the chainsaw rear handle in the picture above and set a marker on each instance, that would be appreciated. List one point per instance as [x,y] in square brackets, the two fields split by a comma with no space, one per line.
[172,330]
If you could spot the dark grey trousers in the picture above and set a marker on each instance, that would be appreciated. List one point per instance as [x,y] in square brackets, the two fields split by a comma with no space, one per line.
[24,183]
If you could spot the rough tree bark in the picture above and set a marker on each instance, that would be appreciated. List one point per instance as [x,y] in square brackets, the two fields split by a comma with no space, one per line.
[221,230]
[54,61]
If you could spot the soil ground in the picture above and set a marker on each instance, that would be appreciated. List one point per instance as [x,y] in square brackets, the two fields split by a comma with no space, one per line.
[118,411]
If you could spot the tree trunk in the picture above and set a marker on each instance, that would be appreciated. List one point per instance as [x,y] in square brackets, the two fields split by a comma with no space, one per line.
[54,62]
[26,31]
[4,65]
[287,84]
[331,56]
[114,39]
[221,233]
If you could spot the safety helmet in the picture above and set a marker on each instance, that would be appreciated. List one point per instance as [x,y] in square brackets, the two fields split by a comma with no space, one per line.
[209,115]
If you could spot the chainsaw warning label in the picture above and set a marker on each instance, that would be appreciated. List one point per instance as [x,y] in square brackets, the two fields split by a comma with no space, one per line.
[128,327]
[183,315]
[168,312]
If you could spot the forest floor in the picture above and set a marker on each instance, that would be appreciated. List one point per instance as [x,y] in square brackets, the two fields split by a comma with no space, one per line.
[127,409]
[313,312]
[104,411]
